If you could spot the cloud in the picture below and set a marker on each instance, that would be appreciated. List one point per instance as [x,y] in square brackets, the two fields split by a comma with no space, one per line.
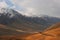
[47,7]
[26,10]
[3,4]
[21,2]
[38,7]
[29,11]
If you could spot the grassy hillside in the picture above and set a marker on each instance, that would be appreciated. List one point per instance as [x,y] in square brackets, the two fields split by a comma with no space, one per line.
[50,34]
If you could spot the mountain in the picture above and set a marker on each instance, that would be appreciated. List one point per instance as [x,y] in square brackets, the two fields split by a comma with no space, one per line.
[33,24]
[14,19]
[13,23]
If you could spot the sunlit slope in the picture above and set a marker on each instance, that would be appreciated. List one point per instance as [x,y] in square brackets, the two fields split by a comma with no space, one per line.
[52,33]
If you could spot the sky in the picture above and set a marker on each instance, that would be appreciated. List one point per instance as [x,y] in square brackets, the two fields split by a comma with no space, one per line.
[34,7]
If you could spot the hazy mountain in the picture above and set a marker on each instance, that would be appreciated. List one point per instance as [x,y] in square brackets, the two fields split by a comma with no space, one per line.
[13,23]
[13,19]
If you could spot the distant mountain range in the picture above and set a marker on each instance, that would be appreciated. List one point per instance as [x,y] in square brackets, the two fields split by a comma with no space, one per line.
[15,20]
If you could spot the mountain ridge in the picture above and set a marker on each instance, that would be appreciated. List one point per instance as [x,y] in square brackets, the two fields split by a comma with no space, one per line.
[29,24]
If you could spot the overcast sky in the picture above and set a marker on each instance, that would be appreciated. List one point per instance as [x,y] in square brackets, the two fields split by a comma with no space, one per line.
[35,7]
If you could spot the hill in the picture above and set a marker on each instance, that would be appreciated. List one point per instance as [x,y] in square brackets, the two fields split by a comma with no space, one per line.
[5,30]
[50,34]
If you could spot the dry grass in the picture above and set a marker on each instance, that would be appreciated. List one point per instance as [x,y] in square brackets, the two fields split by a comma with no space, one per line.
[50,34]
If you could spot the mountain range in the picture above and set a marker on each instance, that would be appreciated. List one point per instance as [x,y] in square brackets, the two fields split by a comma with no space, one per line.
[15,20]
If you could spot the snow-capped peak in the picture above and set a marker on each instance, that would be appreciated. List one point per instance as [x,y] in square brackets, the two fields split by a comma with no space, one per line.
[7,11]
